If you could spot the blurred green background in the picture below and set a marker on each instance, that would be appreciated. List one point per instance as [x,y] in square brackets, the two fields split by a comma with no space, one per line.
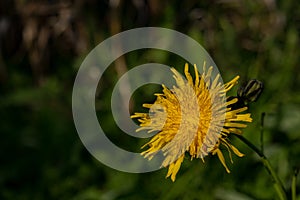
[42,46]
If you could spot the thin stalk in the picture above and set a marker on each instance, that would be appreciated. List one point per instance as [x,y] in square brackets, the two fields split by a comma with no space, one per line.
[275,179]
[262,132]
[294,182]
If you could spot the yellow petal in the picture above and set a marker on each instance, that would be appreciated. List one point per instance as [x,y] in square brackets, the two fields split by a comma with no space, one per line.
[226,144]
[174,168]
[232,101]
[196,76]
[187,74]
[234,130]
[231,83]
[237,125]
[222,160]
[236,151]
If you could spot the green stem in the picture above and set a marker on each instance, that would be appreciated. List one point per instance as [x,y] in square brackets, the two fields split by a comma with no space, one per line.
[275,179]
[262,132]
[294,182]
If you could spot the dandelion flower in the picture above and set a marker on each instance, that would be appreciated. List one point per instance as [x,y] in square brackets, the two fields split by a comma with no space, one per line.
[193,117]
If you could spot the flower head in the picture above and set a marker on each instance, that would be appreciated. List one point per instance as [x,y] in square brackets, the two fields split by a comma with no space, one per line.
[192,117]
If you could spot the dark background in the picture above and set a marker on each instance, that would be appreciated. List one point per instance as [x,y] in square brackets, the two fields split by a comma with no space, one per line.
[42,44]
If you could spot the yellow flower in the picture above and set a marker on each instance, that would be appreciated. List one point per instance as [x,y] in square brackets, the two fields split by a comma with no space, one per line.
[192,117]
